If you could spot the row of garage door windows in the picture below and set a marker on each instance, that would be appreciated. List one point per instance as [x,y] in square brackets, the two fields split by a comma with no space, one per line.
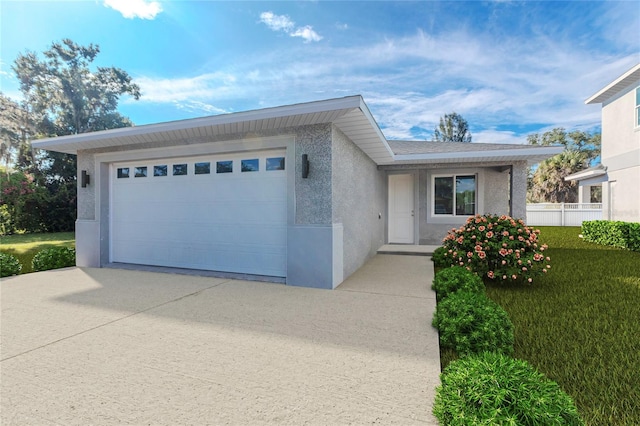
[204,168]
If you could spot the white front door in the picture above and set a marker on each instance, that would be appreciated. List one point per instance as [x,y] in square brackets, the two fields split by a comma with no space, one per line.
[401,209]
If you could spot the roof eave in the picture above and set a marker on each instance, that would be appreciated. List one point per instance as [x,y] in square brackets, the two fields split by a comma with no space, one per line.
[620,83]
[532,155]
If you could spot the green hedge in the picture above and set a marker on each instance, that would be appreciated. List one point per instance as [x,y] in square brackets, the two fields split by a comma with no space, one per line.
[470,322]
[456,278]
[54,258]
[494,389]
[624,235]
[9,265]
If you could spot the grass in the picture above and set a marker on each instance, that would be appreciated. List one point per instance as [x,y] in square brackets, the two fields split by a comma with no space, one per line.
[580,325]
[25,246]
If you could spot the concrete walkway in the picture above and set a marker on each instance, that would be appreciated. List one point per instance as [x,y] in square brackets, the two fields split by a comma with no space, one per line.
[85,346]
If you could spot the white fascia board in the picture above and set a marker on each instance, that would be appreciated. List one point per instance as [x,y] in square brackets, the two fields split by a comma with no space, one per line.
[615,86]
[524,153]
[75,141]
[585,174]
[365,110]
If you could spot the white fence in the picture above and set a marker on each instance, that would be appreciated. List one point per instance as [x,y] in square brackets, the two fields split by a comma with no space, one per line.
[562,214]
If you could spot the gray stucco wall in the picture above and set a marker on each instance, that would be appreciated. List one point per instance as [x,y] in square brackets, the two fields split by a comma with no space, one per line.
[359,201]
[519,190]
[86,196]
[496,192]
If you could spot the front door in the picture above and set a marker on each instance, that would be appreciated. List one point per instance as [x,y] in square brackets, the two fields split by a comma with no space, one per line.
[401,209]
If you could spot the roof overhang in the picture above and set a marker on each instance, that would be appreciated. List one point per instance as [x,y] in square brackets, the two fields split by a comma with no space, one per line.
[590,173]
[531,155]
[613,88]
[350,114]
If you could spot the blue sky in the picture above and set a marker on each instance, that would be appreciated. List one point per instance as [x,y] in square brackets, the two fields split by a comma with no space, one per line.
[510,68]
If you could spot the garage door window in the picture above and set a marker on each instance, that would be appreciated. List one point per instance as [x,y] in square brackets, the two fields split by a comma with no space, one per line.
[140,172]
[250,165]
[160,170]
[179,169]
[276,163]
[202,168]
[224,167]
[123,172]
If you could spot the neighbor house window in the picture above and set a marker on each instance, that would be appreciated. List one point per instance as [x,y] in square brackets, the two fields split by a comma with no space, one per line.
[638,107]
[454,195]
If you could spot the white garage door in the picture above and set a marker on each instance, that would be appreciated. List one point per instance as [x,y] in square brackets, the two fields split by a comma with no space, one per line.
[219,213]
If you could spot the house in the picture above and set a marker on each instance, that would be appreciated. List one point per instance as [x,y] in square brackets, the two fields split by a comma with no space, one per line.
[302,194]
[619,171]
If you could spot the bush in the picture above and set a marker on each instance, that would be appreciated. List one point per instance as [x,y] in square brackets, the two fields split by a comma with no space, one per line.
[54,258]
[9,265]
[439,258]
[612,233]
[493,389]
[498,248]
[456,278]
[472,323]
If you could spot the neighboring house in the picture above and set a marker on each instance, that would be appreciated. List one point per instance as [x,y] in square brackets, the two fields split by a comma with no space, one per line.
[619,171]
[302,194]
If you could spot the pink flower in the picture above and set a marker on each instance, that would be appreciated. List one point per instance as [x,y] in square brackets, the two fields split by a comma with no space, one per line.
[504,277]
[481,228]
[514,276]
[503,252]
[469,254]
[548,258]
[524,268]
[504,262]
[505,233]
[482,255]
[478,247]
[491,275]
[489,234]
[530,280]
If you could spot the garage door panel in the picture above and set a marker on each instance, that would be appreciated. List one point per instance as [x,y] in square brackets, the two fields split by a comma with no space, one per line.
[232,222]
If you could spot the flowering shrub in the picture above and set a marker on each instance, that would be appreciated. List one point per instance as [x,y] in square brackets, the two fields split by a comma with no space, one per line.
[497,247]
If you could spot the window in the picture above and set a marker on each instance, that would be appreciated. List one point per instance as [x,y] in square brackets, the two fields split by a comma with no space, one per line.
[276,163]
[160,170]
[249,165]
[638,107]
[179,169]
[202,168]
[140,172]
[224,167]
[123,172]
[454,195]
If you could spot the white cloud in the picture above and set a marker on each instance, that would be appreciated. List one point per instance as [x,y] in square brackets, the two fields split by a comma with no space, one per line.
[277,22]
[130,9]
[193,89]
[285,24]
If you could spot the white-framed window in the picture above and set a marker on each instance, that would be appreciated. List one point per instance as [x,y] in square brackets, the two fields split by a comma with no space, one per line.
[455,195]
[637,106]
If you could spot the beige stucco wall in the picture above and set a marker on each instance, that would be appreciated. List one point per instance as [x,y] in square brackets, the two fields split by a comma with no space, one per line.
[621,156]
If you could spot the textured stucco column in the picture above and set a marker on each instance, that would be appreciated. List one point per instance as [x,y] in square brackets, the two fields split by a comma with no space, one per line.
[519,190]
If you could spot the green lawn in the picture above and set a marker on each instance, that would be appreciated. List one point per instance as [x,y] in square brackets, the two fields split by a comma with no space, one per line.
[25,246]
[580,325]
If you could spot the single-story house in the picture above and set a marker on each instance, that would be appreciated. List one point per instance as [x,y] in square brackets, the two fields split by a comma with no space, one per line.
[619,171]
[303,194]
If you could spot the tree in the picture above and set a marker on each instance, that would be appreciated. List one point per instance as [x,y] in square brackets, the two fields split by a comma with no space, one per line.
[452,128]
[546,182]
[63,95]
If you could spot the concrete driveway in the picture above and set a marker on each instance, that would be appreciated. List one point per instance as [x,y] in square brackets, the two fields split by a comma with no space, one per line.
[85,346]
